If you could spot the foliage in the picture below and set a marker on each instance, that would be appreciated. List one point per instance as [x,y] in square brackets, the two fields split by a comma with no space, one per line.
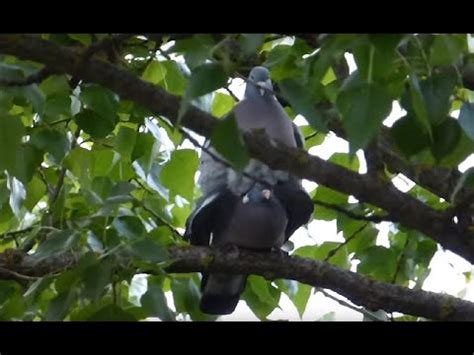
[83,170]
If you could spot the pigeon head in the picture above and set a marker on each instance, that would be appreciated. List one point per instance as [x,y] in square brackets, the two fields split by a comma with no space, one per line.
[257,194]
[260,77]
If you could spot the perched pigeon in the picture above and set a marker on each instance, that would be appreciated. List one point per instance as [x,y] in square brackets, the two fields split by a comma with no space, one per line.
[256,214]
[255,221]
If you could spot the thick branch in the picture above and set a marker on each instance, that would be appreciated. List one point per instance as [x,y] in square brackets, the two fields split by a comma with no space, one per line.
[402,207]
[371,294]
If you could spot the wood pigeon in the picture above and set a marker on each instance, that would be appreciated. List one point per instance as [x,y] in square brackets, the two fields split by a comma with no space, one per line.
[237,210]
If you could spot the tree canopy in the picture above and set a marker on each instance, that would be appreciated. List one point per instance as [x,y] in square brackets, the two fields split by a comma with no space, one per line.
[99,142]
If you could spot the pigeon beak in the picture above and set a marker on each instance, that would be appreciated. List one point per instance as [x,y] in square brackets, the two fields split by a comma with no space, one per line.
[266,194]
[262,85]
[245,199]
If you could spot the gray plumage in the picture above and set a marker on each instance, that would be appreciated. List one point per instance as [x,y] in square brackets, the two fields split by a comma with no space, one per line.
[239,211]
[258,110]
[257,221]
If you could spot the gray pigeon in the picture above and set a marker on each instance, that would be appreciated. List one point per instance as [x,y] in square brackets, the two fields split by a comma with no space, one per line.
[232,211]
[255,221]
[258,110]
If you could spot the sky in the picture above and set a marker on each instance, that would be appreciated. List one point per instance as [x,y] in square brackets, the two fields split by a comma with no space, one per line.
[447,269]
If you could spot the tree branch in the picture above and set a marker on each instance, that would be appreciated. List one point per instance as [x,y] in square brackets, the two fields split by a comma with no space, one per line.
[403,208]
[365,292]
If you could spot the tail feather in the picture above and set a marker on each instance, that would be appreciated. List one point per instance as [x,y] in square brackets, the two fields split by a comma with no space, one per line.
[219,304]
[221,293]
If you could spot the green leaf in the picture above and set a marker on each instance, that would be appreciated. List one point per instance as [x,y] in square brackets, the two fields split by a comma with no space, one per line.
[103,160]
[363,106]
[379,262]
[186,298]
[419,105]
[13,309]
[96,278]
[178,172]
[154,300]
[94,124]
[112,313]
[11,133]
[155,72]
[196,50]
[376,61]
[174,81]
[29,159]
[35,97]
[331,50]
[445,138]
[328,195]
[84,38]
[445,50]
[149,250]
[320,252]
[204,79]
[227,140]
[302,102]
[466,180]
[145,146]
[129,227]
[5,102]
[125,141]
[301,298]
[425,251]
[315,140]
[408,135]
[362,241]
[35,190]
[78,161]
[102,101]
[252,42]
[17,195]
[101,185]
[57,106]
[57,242]
[4,192]
[261,296]
[59,306]
[260,287]
[466,119]
[8,289]
[55,85]
[345,160]
[222,104]
[52,141]
[37,287]
[437,91]
[463,149]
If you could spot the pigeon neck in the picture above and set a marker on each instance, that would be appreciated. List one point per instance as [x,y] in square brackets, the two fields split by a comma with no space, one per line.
[253,92]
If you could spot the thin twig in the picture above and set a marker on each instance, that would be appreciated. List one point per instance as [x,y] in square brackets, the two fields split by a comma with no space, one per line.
[219,159]
[314,134]
[14,233]
[399,263]
[161,219]
[45,181]
[231,93]
[19,276]
[332,252]
[36,77]
[348,305]
[373,218]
